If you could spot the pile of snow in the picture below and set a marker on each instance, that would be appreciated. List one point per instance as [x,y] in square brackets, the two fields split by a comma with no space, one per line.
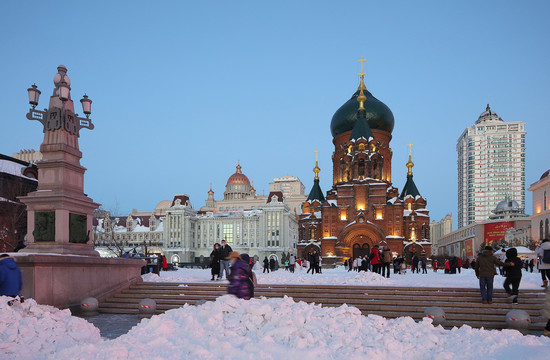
[29,330]
[340,276]
[279,328]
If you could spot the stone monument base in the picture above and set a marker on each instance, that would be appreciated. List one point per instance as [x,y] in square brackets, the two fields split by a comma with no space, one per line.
[51,247]
[64,280]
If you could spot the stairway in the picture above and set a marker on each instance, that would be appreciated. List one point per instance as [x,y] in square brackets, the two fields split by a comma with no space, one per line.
[462,306]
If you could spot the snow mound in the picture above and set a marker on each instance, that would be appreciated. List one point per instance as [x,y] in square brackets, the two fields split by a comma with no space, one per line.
[280,328]
[30,331]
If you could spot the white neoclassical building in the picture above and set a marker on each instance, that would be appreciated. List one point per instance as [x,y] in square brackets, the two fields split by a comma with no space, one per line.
[257,225]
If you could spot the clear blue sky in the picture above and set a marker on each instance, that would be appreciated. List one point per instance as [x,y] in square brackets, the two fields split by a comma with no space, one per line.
[182,90]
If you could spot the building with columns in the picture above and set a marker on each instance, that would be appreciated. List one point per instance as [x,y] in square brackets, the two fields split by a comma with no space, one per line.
[363,208]
[255,224]
[540,220]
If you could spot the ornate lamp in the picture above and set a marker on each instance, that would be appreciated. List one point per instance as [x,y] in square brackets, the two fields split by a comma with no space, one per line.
[86,105]
[34,95]
[64,91]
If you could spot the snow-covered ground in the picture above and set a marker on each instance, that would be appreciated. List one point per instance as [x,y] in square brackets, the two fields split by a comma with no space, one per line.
[340,276]
[261,328]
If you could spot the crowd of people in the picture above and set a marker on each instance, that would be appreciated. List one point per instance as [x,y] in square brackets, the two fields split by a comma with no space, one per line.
[242,279]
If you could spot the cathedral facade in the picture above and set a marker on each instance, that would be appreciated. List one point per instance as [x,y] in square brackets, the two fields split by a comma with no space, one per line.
[363,208]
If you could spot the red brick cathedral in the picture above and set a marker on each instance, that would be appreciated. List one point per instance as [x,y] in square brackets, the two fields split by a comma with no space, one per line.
[363,209]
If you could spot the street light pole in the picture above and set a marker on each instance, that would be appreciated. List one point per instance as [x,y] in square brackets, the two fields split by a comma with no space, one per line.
[54,117]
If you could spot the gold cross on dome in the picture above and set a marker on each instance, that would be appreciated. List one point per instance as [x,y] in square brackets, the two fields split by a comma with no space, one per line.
[316,153]
[362,61]
[410,148]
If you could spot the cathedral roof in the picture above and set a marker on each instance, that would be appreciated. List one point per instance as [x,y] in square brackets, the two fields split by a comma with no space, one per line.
[316,193]
[361,129]
[410,188]
[378,115]
[238,178]
[488,115]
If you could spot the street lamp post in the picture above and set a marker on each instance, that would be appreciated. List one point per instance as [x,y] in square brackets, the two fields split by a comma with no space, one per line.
[62,117]
[59,213]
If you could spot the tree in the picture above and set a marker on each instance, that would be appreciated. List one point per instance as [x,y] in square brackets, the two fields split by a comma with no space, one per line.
[13,213]
[106,229]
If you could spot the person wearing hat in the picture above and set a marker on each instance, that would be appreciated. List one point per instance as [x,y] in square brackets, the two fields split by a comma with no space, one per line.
[485,272]
[241,278]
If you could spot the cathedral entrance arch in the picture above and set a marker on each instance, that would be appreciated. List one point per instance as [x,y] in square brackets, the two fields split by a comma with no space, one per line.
[309,249]
[361,250]
[359,238]
[413,249]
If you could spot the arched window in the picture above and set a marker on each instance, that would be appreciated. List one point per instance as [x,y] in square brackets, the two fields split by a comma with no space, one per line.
[544,204]
[546,230]
[541,231]
[361,169]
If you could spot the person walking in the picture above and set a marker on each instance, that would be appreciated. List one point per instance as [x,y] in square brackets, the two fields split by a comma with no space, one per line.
[386,260]
[10,276]
[240,277]
[485,272]
[215,257]
[458,264]
[513,274]
[543,262]
[266,265]
[225,250]
[435,264]
[355,263]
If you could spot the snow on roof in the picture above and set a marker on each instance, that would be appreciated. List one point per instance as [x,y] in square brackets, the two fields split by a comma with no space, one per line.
[332,202]
[393,200]
[13,168]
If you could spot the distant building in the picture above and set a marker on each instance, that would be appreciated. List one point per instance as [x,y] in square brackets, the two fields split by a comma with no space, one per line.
[17,178]
[438,229]
[491,165]
[254,224]
[30,156]
[239,194]
[540,220]
[468,240]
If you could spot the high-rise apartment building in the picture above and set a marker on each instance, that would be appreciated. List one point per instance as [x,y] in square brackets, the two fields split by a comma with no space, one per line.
[491,166]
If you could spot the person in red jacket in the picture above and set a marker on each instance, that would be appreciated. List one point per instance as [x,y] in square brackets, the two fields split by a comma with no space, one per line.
[375,259]
[458,264]
[164,263]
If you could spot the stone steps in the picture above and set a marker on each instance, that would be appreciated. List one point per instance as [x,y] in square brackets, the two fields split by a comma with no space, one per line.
[462,306]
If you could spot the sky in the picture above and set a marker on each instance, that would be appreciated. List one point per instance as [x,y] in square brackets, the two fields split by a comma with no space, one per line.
[183,90]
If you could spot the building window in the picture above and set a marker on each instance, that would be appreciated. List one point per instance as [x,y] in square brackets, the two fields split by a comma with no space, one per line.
[546,232]
[228,233]
[544,204]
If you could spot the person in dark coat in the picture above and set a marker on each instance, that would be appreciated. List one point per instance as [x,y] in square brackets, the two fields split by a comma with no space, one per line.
[240,277]
[215,257]
[414,263]
[10,276]
[225,250]
[266,265]
[513,274]
[485,272]
[272,264]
